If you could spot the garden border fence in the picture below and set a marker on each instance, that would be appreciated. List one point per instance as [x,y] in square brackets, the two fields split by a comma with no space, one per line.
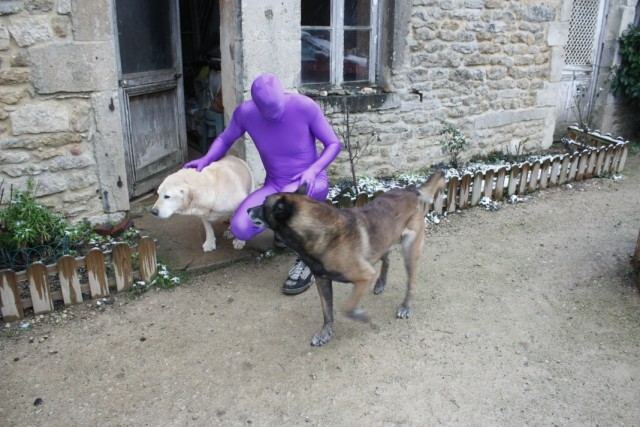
[604,156]
[41,297]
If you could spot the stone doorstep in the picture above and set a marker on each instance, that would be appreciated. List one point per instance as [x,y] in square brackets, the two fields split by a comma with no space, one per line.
[179,240]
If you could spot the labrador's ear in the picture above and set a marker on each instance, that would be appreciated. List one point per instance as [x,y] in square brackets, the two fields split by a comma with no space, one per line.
[302,189]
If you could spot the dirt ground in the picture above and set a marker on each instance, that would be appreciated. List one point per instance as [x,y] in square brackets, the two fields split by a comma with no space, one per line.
[529,315]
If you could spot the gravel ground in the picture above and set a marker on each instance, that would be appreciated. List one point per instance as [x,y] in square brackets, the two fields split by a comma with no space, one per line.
[528,315]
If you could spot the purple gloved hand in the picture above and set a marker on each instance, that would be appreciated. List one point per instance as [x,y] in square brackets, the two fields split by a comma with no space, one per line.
[308,177]
[217,149]
[197,164]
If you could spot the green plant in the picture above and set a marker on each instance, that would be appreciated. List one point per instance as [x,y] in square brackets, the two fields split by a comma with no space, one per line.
[453,144]
[580,106]
[352,145]
[25,223]
[164,280]
[626,76]
[514,154]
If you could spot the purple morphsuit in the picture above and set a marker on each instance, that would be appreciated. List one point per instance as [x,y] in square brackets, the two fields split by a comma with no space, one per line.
[284,127]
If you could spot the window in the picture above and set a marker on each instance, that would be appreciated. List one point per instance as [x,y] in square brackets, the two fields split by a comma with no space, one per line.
[338,41]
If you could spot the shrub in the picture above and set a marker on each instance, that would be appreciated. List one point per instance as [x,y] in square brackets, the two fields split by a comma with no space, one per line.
[626,77]
[454,144]
[32,232]
[24,223]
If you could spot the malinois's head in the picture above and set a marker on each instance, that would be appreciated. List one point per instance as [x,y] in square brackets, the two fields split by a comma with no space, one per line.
[277,209]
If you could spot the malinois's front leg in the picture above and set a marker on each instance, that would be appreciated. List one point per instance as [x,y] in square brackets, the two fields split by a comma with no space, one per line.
[352,311]
[325,289]
[381,283]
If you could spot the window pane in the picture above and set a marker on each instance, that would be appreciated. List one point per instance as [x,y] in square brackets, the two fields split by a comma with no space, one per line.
[356,55]
[357,12]
[144,34]
[316,58]
[316,13]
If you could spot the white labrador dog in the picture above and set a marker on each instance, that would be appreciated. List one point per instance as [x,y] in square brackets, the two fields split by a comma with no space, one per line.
[212,194]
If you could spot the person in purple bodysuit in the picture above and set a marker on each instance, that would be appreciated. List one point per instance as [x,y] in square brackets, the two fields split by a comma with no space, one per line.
[284,127]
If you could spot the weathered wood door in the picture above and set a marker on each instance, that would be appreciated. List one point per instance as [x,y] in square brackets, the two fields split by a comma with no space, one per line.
[150,90]
[582,57]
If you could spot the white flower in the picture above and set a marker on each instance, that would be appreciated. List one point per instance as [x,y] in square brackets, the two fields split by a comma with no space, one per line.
[433,217]
[488,204]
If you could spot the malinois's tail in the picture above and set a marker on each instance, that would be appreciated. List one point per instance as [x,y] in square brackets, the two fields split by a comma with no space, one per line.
[431,188]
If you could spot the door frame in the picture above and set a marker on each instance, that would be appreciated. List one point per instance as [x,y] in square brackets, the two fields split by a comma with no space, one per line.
[569,73]
[150,82]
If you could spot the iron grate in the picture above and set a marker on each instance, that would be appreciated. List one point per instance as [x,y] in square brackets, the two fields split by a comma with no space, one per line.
[582,30]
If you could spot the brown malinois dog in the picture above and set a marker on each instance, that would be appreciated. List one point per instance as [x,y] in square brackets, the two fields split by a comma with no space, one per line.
[344,244]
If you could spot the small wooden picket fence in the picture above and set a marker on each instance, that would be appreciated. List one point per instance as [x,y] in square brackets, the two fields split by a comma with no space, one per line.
[605,156]
[42,298]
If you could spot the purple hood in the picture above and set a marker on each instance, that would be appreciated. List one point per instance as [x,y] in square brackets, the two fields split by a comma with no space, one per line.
[268,95]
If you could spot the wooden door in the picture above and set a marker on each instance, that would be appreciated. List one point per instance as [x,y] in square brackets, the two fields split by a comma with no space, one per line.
[151,91]
[582,57]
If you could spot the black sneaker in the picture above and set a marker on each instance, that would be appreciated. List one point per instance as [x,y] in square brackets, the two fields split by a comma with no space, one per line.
[299,280]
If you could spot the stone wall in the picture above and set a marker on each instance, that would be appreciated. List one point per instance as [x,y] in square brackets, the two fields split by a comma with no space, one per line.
[489,67]
[483,66]
[57,75]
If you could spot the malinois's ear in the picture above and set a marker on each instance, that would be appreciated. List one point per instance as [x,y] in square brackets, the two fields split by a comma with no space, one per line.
[302,189]
[281,210]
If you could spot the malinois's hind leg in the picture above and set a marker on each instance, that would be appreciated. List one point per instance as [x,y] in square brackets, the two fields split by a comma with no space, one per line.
[412,239]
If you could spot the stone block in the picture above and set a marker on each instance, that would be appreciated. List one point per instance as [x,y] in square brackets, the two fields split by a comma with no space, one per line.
[539,13]
[504,118]
[64,7]
[44,117]
[557,64]
[548,96]
[7,158]
[558,34]
[38,6]
[474,4]
[78,180]
[48,183]
[32,142]
[27,31]
[284,62]
[12,96]
[10,7]
[75,67]
[20,60]
[5,43]
[14,76]
[46,153]
[61,163]
[81,117]
[60,24]
[18,170]
[264,21]
[80,202]
[91,20]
